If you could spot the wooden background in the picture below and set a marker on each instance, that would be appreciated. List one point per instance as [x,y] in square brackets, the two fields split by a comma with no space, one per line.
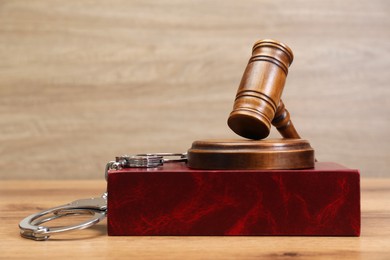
[84,81]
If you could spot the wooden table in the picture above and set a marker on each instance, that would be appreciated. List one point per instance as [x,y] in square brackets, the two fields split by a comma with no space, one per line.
[21,198]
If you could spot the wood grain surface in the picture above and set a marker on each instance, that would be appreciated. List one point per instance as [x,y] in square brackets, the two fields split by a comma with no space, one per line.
[19,198]
[84,81]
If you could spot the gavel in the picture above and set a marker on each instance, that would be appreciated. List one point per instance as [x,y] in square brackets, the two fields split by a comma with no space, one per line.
[258,104]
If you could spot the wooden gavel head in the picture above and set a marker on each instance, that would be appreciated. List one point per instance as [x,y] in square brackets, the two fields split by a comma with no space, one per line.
[258,102]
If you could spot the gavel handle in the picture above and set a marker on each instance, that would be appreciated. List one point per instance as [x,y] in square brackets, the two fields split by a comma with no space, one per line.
[283,123]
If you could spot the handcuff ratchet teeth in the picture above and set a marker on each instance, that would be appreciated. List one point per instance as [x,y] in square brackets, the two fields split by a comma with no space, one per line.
[149,160]
[31,227]
[146,160]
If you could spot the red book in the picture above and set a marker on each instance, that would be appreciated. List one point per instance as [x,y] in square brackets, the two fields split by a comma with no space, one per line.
[174,200]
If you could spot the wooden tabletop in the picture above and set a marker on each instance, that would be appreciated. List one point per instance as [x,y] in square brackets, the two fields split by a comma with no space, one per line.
[21,198]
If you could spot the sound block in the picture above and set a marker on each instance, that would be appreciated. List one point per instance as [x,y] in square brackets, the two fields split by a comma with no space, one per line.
[174,200]
[249,154]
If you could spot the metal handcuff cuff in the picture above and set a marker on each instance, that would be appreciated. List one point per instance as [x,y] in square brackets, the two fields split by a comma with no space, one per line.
[31,227]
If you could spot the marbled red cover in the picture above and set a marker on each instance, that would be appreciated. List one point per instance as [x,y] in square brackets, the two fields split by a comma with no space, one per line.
[175,200]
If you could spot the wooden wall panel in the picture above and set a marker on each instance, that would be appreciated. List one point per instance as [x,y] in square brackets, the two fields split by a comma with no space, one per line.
[84,81]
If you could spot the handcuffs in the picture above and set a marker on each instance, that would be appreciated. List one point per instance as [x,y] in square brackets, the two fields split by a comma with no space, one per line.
[31,227]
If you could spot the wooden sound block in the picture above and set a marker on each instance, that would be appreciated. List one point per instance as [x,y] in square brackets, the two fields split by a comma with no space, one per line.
[270,154]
